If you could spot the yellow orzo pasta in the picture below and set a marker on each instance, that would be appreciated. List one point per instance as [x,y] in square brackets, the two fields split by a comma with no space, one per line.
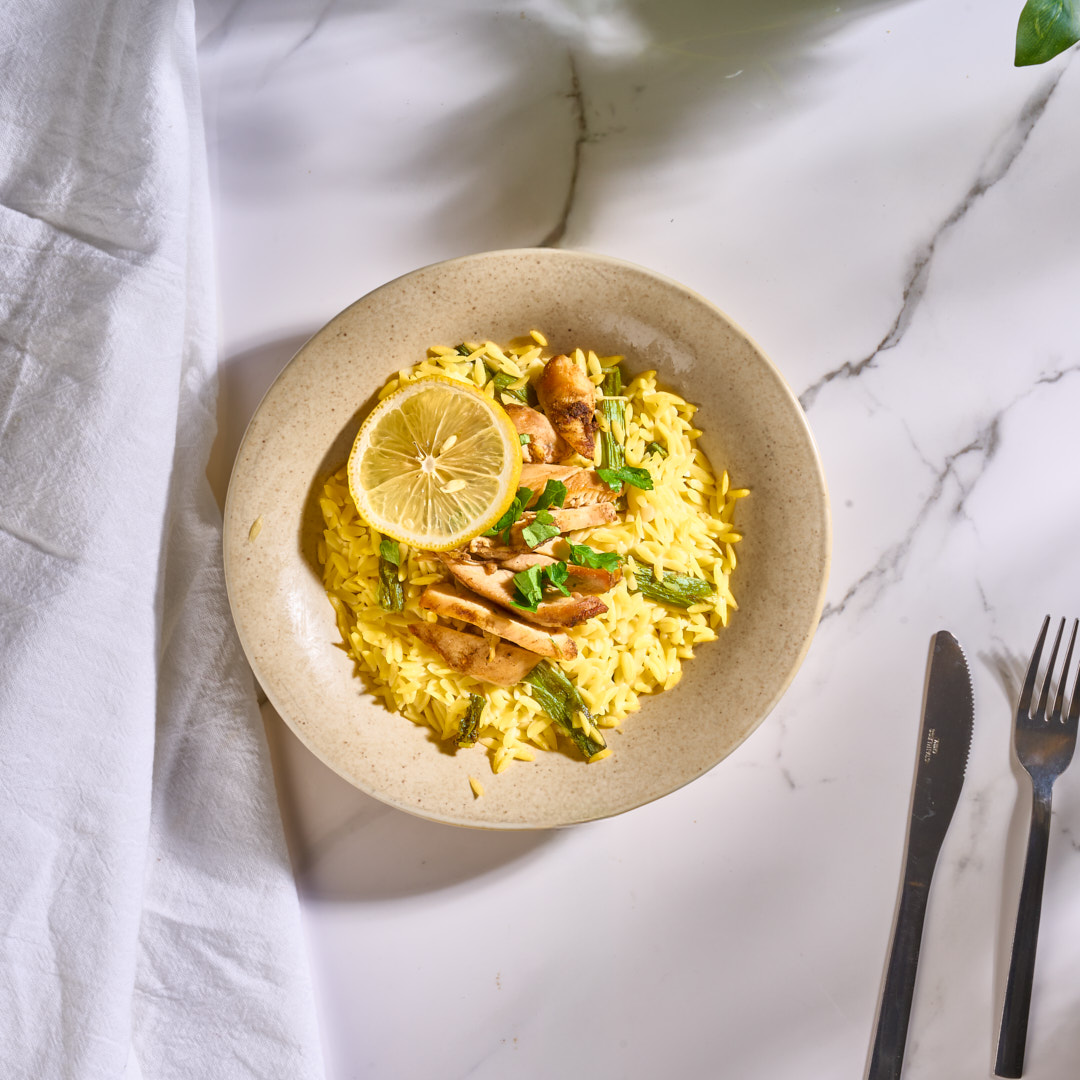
[682,525]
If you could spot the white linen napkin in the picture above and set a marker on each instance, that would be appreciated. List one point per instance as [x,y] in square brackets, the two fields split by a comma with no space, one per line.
[149,924]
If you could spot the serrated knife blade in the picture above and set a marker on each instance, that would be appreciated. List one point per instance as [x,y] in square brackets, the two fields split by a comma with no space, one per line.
[944,742]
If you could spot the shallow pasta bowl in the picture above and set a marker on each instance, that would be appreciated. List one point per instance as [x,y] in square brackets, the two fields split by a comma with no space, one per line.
[302,431]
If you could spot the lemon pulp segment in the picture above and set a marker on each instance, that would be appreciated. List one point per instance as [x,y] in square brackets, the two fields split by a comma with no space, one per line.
[435,464]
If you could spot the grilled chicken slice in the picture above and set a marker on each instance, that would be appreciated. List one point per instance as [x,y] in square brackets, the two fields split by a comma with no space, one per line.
[579,517]
[545,443]
[590,579]
[498,553]
[445,600]
[569,400]
[498,586]
[468,653]
[583,486]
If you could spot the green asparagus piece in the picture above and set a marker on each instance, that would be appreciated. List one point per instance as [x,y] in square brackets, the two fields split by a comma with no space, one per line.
[469,725]
[559,698]
[612,449]
[502,386]
[463,349]
[679,590]
[525,396]
[391,593]
[656,448]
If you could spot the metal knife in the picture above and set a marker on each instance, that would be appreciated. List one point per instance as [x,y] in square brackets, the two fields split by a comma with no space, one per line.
[944,741]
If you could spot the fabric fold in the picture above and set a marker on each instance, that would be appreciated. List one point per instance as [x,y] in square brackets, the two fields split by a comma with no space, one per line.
[149,924]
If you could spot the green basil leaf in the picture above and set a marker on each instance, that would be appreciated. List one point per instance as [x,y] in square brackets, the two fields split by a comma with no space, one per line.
[583,555]
[390,550]
[627,474]
[1046,28]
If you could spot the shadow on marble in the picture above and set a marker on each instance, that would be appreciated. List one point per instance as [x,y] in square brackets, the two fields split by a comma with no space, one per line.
[637,81]
[590,94]
[243,379]
[346,846]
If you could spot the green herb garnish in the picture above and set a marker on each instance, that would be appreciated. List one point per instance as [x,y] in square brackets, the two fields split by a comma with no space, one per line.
[543,528]
[524,439]
[583,555]
[555,575]
[513,512]
[390,550]
[529,587]
[627,474]
[554,494]
[656,448]
[530,584]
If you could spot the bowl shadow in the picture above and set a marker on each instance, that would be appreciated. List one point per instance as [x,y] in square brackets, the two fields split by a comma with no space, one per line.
[337,454]
[243,379]
[345,845]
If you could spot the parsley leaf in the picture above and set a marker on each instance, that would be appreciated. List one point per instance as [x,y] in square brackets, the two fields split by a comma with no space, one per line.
[530,584]
[390,550]
[656,448]
[554,494]
[514,511]
[555,574]
[583,555]
[539,530]
[524,439]
[615,478]
[529,587]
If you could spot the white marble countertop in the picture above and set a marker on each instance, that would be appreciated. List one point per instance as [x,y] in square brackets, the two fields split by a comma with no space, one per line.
[889,207]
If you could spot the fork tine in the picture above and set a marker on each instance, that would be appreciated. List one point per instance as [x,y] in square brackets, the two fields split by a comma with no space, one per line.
[1040,713]
[1024,706]
[1074,708]
[1059,701]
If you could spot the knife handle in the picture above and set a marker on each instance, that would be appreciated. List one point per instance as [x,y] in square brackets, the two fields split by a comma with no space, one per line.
[887,1055]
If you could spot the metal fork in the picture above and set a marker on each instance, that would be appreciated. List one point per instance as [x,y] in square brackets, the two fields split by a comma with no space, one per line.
[1044,746]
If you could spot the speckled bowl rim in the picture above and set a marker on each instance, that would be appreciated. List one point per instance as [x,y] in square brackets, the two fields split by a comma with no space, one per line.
[253,633]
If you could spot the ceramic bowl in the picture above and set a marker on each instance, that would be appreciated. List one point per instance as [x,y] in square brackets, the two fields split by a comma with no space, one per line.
[303,429]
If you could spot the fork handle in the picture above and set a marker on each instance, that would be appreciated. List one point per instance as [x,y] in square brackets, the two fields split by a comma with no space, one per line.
[887,1054]
[1012,1037]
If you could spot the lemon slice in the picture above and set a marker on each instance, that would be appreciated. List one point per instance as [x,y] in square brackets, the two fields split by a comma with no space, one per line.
[435,464]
